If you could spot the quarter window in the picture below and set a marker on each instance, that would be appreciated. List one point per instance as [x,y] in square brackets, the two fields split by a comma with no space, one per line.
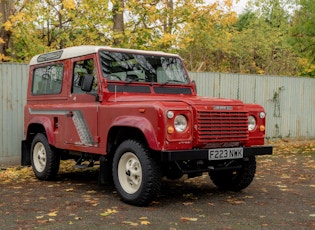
[47,79]
[80,69]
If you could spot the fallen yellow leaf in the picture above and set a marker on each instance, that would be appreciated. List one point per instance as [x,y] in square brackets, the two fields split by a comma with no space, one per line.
[264,190]
[145,222]
[108,212]
[130,223]
[235,201]
[188,219]
[43,221]
[187,203]
[52,213]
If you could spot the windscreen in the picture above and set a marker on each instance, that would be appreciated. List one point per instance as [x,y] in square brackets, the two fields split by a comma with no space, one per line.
[129,67]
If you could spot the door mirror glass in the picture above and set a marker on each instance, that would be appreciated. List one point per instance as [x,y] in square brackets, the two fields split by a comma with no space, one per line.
[87,83]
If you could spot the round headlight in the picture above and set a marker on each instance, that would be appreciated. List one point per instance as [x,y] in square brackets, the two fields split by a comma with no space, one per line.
[180,123]
[251,123]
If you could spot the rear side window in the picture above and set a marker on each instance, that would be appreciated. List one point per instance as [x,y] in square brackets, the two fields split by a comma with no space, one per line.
[47,79]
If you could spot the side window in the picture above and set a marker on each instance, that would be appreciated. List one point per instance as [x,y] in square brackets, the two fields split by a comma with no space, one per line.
[47,79]
[80,69]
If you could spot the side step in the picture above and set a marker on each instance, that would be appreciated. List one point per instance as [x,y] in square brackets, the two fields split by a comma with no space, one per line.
[79,164]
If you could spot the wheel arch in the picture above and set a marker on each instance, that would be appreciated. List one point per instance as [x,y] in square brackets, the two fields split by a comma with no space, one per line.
[118,134]
[40,125]
[132,127]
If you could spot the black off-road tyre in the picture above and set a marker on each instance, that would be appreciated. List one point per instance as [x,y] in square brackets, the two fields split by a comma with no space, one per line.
[136,175]
[235,180]
[45,162]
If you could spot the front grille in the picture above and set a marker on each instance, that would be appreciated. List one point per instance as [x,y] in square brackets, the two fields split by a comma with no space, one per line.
[222,126]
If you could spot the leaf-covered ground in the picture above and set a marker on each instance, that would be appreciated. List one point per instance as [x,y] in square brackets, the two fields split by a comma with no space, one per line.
[280,197]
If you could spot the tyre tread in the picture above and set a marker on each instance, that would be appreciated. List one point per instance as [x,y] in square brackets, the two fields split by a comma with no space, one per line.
[223,180]
[152,183]
[53,159]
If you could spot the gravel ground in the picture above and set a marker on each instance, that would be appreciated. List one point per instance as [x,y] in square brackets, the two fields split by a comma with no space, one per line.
[280,197]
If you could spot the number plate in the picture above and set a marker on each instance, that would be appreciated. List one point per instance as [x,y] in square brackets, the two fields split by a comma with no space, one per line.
[226,153]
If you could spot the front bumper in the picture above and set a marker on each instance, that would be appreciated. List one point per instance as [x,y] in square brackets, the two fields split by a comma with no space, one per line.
[202,154]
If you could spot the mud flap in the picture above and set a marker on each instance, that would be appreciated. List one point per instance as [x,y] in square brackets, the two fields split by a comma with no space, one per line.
[105,172]
[25,149]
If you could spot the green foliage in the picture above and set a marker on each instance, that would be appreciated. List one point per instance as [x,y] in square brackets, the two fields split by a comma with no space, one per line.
[245,20]
[206,44]
[302,36]
[266,50]
[261,46]
[269,38]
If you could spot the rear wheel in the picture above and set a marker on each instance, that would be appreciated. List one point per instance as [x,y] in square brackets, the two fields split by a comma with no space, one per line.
[45,162]
[235,180]
[136,175]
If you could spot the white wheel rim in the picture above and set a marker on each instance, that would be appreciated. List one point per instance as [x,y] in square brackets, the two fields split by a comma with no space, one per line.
[39,157]
[129,172]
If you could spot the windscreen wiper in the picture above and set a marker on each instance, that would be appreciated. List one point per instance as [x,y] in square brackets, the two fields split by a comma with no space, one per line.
[171,81]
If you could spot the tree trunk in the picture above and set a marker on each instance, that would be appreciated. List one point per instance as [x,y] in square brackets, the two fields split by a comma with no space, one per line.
[6,9]
[169,20]
[118,20]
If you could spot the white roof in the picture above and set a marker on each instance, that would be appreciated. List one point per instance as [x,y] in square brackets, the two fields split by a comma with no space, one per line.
[77,51]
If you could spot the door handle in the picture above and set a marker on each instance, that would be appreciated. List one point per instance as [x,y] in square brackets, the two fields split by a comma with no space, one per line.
[70,114]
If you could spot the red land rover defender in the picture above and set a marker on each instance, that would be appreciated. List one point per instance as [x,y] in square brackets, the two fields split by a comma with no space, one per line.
[137,113]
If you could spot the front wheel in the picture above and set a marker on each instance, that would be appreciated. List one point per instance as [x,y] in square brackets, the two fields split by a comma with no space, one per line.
[45,162]
[136,175]
[235,180]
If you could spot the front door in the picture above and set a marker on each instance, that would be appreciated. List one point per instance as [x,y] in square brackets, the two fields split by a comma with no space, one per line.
[80,124]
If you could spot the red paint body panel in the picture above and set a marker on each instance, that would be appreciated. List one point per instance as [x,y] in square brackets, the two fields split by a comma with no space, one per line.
[82,122]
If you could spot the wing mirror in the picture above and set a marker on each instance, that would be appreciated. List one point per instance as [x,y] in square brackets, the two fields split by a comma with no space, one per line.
[87,83]
[195,85]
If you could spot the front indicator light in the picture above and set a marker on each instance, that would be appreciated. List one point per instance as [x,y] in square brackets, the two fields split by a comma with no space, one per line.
[262,128]
[170,130]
